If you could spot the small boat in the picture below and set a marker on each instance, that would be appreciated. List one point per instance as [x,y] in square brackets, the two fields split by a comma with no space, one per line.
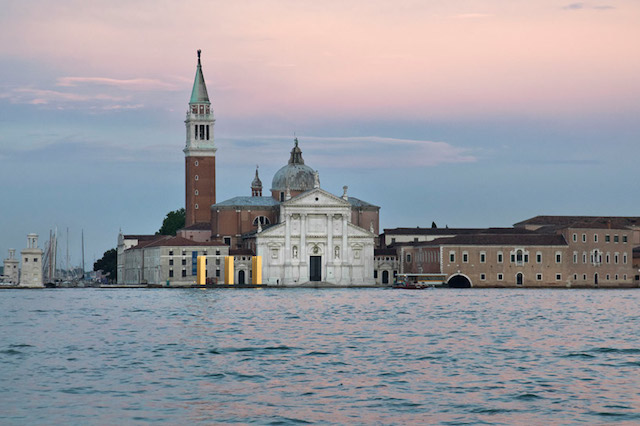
[419,281]
[409,286]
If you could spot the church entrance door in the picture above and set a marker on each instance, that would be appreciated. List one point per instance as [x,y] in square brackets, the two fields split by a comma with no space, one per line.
[241,277]
[315,268]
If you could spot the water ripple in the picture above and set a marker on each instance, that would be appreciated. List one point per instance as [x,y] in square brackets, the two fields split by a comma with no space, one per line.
[314,356]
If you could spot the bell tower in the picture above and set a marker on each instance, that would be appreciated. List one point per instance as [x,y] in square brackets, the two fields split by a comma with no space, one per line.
[200,154]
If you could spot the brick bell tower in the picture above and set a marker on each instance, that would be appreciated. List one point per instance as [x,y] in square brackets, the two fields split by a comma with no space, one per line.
[200,154]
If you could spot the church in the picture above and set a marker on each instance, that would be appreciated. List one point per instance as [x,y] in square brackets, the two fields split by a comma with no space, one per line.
[304,234]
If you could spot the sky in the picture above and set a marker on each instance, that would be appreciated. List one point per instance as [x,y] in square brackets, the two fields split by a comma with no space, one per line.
[469,113]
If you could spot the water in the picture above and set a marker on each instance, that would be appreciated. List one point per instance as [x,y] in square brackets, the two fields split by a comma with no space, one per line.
[91,356]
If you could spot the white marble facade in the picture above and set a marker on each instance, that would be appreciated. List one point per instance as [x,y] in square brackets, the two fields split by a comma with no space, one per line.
[316,243]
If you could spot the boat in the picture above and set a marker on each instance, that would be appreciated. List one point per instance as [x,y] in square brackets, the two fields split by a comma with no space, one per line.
[419,281]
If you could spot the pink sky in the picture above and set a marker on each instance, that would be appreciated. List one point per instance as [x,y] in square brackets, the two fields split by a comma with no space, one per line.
[398,58]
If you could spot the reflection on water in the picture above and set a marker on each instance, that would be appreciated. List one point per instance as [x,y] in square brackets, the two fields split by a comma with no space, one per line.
[304,355]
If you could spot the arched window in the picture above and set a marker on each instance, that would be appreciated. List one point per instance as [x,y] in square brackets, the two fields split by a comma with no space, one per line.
[263,220]
[519,278]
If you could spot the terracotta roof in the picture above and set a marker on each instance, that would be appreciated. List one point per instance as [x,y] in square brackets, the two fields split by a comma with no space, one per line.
[139,237]
[180,242]
[455,231]
[616,221]
[200,226]
[145,242]
[500,240]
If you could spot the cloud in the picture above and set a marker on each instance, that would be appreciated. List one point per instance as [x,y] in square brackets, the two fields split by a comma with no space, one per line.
[65,100]
[129,84]
[348,152]
[74,148]
[581,5]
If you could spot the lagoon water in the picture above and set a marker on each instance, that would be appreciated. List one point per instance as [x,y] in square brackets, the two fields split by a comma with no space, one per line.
[445,356]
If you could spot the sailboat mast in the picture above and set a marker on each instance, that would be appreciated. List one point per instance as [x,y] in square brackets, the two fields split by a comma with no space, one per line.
[68,273]
[83,254]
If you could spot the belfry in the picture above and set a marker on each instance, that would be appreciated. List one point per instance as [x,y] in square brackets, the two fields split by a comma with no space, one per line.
[200,154]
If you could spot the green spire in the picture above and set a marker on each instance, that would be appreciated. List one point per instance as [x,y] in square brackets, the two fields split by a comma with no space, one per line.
[199,93]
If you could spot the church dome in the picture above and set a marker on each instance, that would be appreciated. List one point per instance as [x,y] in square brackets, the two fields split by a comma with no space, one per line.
[296,175]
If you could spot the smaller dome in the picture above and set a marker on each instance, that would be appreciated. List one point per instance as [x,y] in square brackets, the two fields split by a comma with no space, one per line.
[295,176]
[257,183]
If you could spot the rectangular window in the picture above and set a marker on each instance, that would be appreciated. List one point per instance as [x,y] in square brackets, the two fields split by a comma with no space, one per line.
[499,257]
[170,252]
[227,240]
[615,258]
[615,238]
[408,258]
[607,238]
[513,258]
[375,273]
[499,277]
[170,273]
[218,273]
[539,277]
[575,238]
[207,132]
[558,258]
[538,257]
[526,258]
[624,238]
[595,238]
[584,238]
[483,277]
[465,257]
[184,272]
[184,261]
[170,262]
[558,277]
[195,131]
[483,257]
[584,257]
[575,257]
[35,259]
[624,258]
[452,257]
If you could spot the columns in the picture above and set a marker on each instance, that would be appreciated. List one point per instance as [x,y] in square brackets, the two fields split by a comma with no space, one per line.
[345,235]
[303,238]
[330,252]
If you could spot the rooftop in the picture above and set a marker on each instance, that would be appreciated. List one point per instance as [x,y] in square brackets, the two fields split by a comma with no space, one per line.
[454,231]
[248,201]
[500,240]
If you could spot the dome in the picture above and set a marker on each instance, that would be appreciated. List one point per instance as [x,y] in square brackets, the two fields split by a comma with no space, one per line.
[257,183]
[296,175]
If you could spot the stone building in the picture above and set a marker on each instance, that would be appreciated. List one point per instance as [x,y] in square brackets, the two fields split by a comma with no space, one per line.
[575,251]
[31,274]
[167,260]
[12,268]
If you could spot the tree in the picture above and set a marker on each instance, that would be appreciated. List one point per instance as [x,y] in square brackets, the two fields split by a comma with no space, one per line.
[172,222]
[108,264]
